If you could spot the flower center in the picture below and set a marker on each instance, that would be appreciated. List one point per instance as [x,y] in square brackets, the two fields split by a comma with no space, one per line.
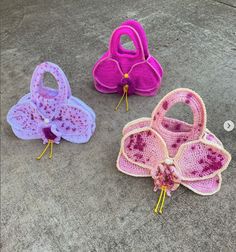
[49,134]
[164,175]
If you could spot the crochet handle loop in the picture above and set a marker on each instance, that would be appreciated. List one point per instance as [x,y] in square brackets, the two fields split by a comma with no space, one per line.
[115,43]
[142,35]
[187,97]
[37,87]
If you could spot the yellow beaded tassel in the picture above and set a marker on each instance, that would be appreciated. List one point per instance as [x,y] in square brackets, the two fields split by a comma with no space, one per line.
[125,94]
[161,200]
[50,143]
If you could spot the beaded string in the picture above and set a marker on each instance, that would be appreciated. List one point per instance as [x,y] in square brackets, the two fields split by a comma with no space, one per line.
[50,143]
[161,200]
[125,94]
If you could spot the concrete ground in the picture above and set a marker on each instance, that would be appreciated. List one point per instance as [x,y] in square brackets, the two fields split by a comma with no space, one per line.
[79,201]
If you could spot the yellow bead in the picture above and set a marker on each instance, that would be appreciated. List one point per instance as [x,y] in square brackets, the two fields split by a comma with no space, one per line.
[126,75]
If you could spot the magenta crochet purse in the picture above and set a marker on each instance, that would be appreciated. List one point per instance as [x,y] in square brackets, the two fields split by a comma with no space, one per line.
[173,152]
[125,71]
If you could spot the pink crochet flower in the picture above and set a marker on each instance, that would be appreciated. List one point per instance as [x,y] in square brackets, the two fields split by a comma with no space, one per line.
[143,70]
[128,72]
[173,152]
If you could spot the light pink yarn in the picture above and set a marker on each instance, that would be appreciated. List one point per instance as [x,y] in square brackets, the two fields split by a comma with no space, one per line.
[173,152]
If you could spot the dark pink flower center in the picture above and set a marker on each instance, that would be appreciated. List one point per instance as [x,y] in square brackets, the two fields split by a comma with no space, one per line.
[164,175]
[49,134]
[124,82]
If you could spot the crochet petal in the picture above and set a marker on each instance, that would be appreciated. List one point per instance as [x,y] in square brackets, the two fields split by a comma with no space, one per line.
[104,80]
[209,136]
[146,83]
[125,166]
[144,147]
[74,123]
[204,187]
[199,160]
[25,120]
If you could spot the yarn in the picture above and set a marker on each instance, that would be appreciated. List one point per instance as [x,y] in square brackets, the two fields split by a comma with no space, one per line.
[50,114]
[119,67]
[181,153]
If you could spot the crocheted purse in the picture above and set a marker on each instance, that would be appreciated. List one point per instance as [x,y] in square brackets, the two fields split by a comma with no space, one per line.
[173,152]
[126,71]
[50,114]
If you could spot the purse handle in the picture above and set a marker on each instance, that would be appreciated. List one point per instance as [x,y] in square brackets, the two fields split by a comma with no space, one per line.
[141,32]
[188,97]
[38,89]
[115,43]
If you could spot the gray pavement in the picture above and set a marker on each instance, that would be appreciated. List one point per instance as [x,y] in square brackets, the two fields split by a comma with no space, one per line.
[79,201]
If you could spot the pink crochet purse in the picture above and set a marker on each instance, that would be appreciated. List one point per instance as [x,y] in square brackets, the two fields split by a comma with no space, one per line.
[173,152]
[125,71]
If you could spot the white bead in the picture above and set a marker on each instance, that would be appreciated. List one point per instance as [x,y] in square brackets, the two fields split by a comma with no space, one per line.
[169,161]
[46,120]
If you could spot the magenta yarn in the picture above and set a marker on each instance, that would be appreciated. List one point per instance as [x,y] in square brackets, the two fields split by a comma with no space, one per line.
[143,70]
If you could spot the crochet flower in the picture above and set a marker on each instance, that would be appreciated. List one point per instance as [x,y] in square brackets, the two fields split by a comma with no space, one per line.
[128,72]
[173,152]
[50,114]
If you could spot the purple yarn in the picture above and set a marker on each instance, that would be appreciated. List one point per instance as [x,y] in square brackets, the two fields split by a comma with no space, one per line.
[50,114]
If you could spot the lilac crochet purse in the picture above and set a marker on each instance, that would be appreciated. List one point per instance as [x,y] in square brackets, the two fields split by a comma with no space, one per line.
[173,152]
[50,114]
[125,71]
